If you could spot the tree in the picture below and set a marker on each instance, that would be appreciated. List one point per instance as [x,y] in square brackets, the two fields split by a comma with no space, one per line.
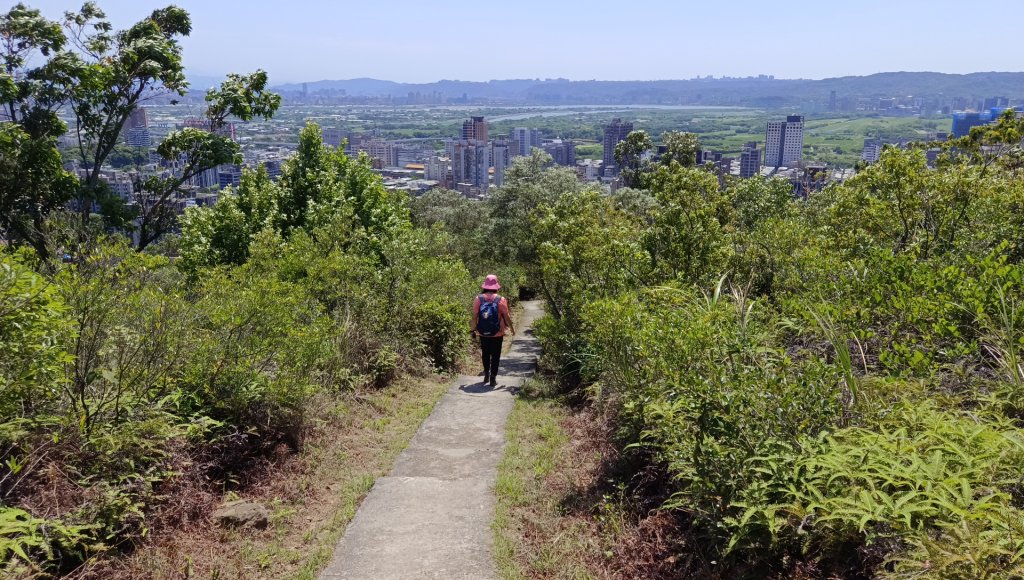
[629,157]
[240,96]
[1001,142]
[529,185]
[589,249]
[686,241]
[33,183]
[680,147]
[222,234]
[320,189]
[757,200]
[320,183]
[900,204]
[32,180]
[466,222]
[100,76]
[27,99]
[106,75]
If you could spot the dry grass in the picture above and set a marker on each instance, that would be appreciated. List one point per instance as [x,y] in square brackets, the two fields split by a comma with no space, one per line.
[563,512]
[311,495]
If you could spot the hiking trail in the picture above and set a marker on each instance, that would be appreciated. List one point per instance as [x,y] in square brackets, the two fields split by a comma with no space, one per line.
[431,516]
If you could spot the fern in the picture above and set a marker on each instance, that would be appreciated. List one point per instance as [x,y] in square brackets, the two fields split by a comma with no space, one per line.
[32,541]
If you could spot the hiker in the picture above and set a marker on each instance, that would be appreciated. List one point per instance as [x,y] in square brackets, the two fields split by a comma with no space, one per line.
[490,319]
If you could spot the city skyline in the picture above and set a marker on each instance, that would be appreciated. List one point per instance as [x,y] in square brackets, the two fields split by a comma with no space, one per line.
[320,40]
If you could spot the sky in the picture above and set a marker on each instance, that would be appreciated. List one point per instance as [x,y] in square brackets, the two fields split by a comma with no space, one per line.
[429,40]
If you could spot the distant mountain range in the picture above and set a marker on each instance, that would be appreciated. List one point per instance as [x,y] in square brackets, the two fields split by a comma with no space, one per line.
[719,91]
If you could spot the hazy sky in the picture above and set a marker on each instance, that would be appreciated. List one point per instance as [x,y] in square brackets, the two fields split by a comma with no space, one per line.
[428,40]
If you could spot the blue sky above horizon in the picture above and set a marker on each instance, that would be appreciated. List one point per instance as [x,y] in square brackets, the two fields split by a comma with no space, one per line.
[425,41]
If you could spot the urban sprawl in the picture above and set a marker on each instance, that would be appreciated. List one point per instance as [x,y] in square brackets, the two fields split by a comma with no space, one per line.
[476,159]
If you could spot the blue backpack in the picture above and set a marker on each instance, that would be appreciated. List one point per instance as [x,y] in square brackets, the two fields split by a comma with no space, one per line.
[489,321]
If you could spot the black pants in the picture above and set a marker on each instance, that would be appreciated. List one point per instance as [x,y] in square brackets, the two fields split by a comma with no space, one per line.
[491,347]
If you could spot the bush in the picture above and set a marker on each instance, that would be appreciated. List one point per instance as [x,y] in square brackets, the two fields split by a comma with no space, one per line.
[444,332]
[846,402]
[259,350]
[121,366]
[702,388]
[32,324]
[892,493]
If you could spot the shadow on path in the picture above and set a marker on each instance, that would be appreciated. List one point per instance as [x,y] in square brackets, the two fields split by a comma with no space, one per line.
[521,360]
[431,517]
[484,388]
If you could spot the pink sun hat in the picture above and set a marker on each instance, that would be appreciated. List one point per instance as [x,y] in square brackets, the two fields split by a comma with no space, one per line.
[491,283]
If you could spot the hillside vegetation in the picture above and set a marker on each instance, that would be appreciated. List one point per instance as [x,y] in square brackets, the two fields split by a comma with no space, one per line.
[827,387]
[131,381]
[819,388]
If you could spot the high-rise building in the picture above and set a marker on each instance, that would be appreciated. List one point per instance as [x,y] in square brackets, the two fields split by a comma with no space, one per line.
[563,152]
[784,142]
[273,167]
[499,159]
[833,101]
[614,133]
[334,137]
[963,121]
[872,150]
[995,103]
[436,169]
[207,178]
[470,163]
[750,160]
[525,139]
[138,137]
[137,118]
[384,153]
[474,128]
[136,129]
[229,176]
[714,160]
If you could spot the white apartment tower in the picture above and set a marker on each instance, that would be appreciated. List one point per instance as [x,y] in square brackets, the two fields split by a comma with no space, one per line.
[872,151]
[784,142]
[436,169]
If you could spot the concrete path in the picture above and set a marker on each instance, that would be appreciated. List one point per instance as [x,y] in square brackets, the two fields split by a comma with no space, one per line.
[431,517]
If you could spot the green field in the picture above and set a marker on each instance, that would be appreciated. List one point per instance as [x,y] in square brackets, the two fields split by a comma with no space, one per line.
[836,141]
[833,141]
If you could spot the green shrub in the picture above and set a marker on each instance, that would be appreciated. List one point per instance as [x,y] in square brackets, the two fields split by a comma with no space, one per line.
[895,492]
[32,323]
[702,388]
[130,332]
[444,332]
[260,346]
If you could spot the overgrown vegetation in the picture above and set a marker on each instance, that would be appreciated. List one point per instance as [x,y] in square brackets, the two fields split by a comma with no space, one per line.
[125,370]
[830,387]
